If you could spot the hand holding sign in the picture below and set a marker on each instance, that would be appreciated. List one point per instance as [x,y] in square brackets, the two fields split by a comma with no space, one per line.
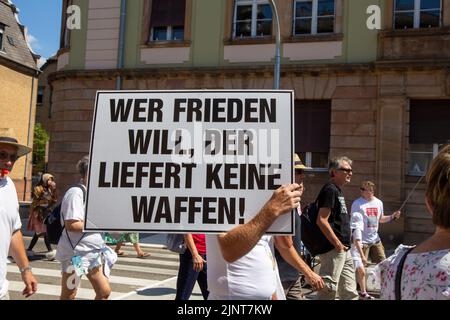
[284,199]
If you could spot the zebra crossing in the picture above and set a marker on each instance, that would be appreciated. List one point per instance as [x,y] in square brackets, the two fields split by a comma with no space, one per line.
[131,278]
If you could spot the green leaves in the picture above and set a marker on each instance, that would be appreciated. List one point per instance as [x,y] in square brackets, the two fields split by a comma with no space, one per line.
[40,140]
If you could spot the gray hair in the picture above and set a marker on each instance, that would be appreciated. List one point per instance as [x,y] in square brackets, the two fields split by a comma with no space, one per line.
[83,165]
[337,161]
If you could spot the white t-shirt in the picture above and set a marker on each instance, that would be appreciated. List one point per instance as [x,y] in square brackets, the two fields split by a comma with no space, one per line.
[372,211]
[9,223]
[72,207]
[254,276]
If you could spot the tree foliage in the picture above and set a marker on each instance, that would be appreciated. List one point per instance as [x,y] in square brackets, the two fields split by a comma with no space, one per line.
[40,140]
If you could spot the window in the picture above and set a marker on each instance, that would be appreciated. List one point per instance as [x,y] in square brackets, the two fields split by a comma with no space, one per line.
[167,20]
[11,40]
[2,30]
[312,131]
[40,95]
[417,14]
[252,18]
[428,128]
[313,16]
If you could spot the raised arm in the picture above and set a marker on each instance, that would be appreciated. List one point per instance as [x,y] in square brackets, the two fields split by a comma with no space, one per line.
[390,218]
[240,240]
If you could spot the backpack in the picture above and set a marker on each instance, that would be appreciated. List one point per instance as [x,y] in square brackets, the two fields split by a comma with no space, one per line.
[53,220]
[311,235]
[175,243]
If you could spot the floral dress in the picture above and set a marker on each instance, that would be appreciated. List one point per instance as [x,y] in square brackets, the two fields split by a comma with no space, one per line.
[426,275]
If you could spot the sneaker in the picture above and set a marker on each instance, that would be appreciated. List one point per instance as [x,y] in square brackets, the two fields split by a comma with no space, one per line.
[50,255]
[30,253]
[365,296]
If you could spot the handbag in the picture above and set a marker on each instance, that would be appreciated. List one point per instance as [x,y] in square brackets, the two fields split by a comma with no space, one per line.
[398,275]
[175,242]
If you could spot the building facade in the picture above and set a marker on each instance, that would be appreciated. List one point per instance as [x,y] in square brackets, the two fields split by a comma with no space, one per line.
[380,97]
[18,90]
[44,95]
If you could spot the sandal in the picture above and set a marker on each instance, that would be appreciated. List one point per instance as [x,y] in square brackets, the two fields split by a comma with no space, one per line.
[143,255]
[121,254]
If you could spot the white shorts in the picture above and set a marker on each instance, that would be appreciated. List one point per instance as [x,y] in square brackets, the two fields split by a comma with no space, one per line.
[357,261]
[93,259]
[89,261]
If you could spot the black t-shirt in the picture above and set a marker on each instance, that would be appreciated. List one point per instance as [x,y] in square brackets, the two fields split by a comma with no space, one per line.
[331,197]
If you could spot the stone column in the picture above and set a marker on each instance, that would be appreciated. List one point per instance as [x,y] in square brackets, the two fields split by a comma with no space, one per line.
[390,159]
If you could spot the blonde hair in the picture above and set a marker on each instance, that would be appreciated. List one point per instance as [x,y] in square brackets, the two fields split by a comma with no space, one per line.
[438,188]
[369,184]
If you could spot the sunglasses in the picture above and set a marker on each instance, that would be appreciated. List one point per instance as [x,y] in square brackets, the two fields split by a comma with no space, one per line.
[346,170]
[6,156]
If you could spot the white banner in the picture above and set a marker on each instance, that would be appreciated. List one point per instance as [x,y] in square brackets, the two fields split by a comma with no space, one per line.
[201,161]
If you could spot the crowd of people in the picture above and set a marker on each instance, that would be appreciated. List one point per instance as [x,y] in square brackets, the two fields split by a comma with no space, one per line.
[245,262]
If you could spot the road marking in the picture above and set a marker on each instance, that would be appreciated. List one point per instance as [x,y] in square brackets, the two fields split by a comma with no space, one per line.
[160,283]
[113,279]
[54,290]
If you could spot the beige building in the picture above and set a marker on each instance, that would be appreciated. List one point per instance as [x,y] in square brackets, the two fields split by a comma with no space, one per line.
[18,90]
[381,97]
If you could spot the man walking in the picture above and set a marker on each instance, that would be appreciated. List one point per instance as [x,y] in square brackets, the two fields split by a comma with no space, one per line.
[336,267]
[371,208]
[11,240]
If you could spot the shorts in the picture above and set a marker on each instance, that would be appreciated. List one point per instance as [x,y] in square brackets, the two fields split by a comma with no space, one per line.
[93,259]
[89,261]
[356,257]
[374,251]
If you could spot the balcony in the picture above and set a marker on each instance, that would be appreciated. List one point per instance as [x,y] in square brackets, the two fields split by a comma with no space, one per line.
[414,44]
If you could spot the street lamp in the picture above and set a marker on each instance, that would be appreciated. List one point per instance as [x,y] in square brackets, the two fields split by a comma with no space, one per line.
[276,75]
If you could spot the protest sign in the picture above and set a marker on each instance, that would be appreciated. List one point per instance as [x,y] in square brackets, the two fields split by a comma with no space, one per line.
[188,161]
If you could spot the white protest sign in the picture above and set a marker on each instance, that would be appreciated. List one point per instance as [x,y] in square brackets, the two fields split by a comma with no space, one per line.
[200,161]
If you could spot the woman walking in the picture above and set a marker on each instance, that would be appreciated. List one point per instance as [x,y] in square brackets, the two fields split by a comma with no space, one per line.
[44,199]
[82,253]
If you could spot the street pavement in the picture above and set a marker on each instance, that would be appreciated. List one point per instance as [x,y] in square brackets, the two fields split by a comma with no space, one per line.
[132,278]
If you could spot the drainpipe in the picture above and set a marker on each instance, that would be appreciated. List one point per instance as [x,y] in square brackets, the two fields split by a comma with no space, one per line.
[29,134]
[121,49]
[276,75]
